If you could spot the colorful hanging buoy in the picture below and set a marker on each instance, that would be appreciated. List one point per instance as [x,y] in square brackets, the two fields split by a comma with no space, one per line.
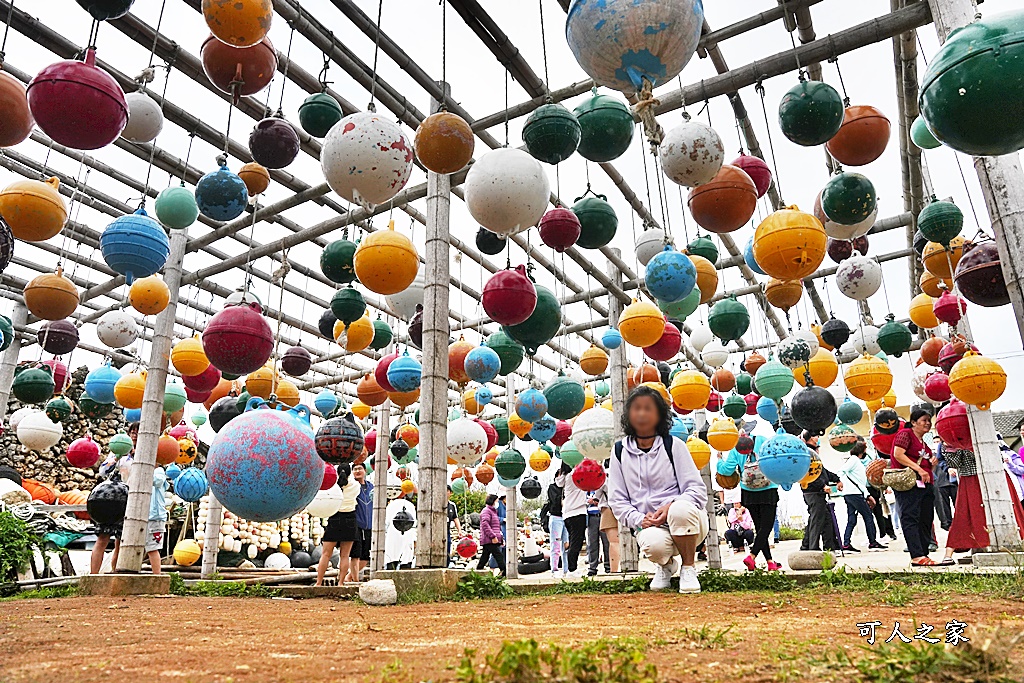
[551,133]
[221,194]
[444,142]
[691,154]
[507,191]
[862,137]
[134,245]
[318,113]
[606,127]
[366,158]
[811,113]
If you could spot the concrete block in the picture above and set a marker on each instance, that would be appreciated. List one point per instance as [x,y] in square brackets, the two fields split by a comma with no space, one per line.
[125,584]
[378,592]
[998,559]
[441,582]
[806,560]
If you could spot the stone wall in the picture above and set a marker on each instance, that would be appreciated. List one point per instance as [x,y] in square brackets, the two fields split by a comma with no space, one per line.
[51,466]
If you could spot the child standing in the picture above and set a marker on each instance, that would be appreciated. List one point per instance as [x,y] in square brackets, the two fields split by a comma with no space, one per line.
[156,529]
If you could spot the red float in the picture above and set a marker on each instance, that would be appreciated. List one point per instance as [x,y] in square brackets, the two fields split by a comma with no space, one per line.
[751,400]
[195,396]
[60,374]
[83,452]
[466,547]
[757,169]
[370,442]
[238,339]
[862,137]
[715,402]
[563,431]
[949,308]
[252,67]
[509,296]
[380,373]
[952,352]
[492,440]
[559,228]
[936,387]
[589,475]
[952,425]
[206,381]
[330,477]
[667,347]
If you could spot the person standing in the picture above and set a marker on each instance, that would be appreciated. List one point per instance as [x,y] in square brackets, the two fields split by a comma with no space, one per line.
[156,527]
[655,489]
[491,538]
[917,504]
[109,469]
[453,518]
[594,533]
[574,516]
[741,527]
[854,479]
[820,529]
[360,554]
[945,488]
[342,530]
[609,533]
[760,496]
[557,533]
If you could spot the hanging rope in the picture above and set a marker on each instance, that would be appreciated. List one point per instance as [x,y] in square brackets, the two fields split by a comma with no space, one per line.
[443,106]
[287,63]
[544,48]
[372,107]
[152,144]
[759,87]
[644,110]
[7,29]
[156,33]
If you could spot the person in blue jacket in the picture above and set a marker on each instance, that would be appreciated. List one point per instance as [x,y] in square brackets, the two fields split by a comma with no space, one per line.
[758,495]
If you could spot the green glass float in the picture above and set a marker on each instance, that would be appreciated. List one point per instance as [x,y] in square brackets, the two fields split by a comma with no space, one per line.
[922,136]
[811,113]
[602,389]
[774,380]
[120,444]
[566,397]
[702,246]
[682,308]
[94,410]
[744,383]
[894,338]
[348,305]
[552,133]
[382,335]
[58,409]
[734,406]
[848,198]
[174,397]
[32,384]
[318,113]
[940,221]
[606,127]
[508,349]
[336,261]
[510,464]
[541,326]
[500,425]
[569,454]
[7,330]
[728,319]
[598,221]
[972,94]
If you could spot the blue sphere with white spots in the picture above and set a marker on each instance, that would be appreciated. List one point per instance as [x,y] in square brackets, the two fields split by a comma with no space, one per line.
[221,194]
[670,275]
[405,373]
[611,339]
[543,429]
[531,405]
[483,396]
[482,364]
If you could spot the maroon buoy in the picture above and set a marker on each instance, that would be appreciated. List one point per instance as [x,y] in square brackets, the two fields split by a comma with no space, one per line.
[979,275]
[296,361]
[559,228]
[252,67]
[416,327]
[953,351]
[509,297]
[953,425]
[839,250]
[78,104]
[238,339]
[757,169]
[58,336]
[380,373]
[274,142]
[860,244]
[666,348]
[194,396]
[936,387]
[60,374]
[205,381]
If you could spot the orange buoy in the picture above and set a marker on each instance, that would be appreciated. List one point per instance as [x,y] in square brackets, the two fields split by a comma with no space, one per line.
[369,392]
[386,261]
[33,209]
[723,380]
[941,261]
[129,390]
[594,360]
[726,203]
[790,244]
[167,449]
[241,23]
[261,382]
[15,117]
[930,284]
[255,177]
[783,294]
[444,142]
[51,296]
[862,138]
[930,350]
[707,277]
[149,295]
[457,353]
[641,324]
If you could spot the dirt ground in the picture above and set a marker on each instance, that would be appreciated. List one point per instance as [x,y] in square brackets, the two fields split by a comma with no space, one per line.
[746,637]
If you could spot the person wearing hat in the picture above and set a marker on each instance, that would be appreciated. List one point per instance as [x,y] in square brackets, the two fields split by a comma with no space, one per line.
[816,497]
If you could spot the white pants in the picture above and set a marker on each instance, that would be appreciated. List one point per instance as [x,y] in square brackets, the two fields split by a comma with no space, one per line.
[684,519]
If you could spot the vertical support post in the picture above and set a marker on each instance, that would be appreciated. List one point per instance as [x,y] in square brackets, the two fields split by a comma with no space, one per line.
[629,554]
[10,360]
[1002,185]
[511,503]
[713,546]
[211,536]
[432,515]
[140,481]
[380,486]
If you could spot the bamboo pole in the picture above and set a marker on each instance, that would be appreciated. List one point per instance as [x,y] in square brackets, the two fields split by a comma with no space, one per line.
[380,488]
[10,358]
[211,536]
[712,547]
[140,481]
[511,514]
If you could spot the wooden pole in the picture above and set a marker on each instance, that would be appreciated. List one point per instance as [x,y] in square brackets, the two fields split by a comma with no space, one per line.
[629,554]
[511,503]
[10,360]
[380,487]
[211,536]
[432,536]
[712,547]
[140,481]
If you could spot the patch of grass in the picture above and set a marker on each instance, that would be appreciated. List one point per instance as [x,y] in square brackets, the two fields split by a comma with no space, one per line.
[220,589]
[482,586]
[788,533]
[706,637]
[637,584]
[65,591]
[828,559]
[419,594]
[616,660]
[16,542]
[898,595]
[719,581]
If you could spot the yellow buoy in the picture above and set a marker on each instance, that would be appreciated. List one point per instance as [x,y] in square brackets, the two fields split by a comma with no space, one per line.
[256,178]
[469,402]
[51,296]
[690,390]
[404,399]
[518,425]
[594,360]
[360,409]
[410,434]
[641,324]
[977,380]
[941,261]
[707,277]
[187,552]
[922,312]
[589,398]
[607,405]
[408,487]
[813,472]
[129,390]
[540,460]
[261,382]
[789,244]
[868,378]
[823,368]
[188,357]
[33,209]
[149,295]
[930,284]
[700,451]
[783,294]
[386,261]
[723,434]
[660,388]
[241,23]
[357,336]
[287,392]
[887,401]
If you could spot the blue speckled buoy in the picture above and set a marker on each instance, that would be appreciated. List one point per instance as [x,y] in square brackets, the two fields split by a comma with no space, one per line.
[221,194]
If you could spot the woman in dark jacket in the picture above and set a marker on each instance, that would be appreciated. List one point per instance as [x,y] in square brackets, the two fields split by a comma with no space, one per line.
[491,539]
[557,532]
[819,515]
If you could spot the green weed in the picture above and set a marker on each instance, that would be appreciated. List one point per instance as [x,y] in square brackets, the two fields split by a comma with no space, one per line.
[618,660]
[706,637]
[220,589]
[788,533]
[720,581]
[637,584]
[66,591]
[480,586]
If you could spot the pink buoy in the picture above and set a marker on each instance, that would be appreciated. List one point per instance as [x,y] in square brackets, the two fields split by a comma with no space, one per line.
[60,374]
[489,429]
[953,426]
[238,339]
[715,402]
[757,169]
[751,400]
[509,297]
[370,442]
[78,104]
[949,308]
[83,452]
[563,431]
[380,373]
[936,387]
[559,228]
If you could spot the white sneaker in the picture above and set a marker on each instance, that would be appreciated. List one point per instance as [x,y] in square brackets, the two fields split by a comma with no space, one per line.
[663,575]
[688,582]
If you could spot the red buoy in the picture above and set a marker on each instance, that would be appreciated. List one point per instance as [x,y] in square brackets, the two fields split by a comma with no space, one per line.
[380,373]
[509,297]
[238,339]
[667,347]
[559,228]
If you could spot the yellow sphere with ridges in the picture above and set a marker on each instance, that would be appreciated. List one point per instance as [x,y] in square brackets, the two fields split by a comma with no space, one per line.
[690,390]
[783,294]
[34,210]
[404,399]
[707,277]
[660,388]
[519,426]
[408,487]
[594,360]
[540,460]
[723,434]
[149,295]
[607,405]
[930,284]
[922,313]
[641,324]
[188,357]
[469,402]
[868,378]
[357,336]
[287,393]
[977,380]
[790,244]
[261,382]
[129,390]
[823,367]
[360,409]
[187,552]
[386,261]
[941,261]
[813,472]
[589,398]
[700,451]
[887,401]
